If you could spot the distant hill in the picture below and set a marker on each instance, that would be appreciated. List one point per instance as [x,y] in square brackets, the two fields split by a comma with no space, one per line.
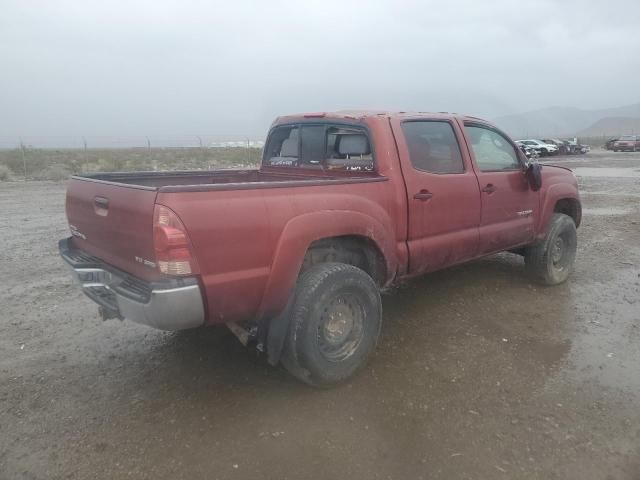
[567,121]
[611,127]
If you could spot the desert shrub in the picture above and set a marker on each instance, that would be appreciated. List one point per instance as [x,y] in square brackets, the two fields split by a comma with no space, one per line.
[55,172]
[6,174]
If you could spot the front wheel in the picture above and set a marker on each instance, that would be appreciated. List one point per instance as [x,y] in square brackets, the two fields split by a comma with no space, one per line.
[335,324]
[551,261]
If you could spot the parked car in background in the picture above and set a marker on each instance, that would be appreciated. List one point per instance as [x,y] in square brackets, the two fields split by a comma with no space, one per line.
[608,145]
[541,147]
[574,147]
[529,152]
[627,143]
[569,147]
[561,144]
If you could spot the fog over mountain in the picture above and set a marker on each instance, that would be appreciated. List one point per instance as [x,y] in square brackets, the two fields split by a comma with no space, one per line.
[116,68]
[566,121]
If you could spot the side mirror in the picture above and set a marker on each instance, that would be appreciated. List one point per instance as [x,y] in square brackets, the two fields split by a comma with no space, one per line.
[522,157]
[534,175]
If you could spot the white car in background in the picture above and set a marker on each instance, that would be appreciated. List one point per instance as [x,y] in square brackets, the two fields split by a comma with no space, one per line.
[541,147]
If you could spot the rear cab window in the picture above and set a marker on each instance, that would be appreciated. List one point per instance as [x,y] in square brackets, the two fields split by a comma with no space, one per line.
[325,146]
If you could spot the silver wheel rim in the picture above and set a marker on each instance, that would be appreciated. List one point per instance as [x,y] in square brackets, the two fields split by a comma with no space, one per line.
[560,251]
[557,251]
[341,327]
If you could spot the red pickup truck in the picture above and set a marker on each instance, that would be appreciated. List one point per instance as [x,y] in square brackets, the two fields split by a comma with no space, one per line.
[627,143]
[292,256]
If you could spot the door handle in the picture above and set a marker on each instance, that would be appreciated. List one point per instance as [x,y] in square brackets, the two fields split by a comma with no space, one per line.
[101,206]
[490,188]
[423,195]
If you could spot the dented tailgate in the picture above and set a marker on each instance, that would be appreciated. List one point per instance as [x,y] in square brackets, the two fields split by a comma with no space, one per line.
[114,222]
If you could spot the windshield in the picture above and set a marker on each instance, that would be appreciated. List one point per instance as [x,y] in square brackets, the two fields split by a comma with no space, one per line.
[627,137]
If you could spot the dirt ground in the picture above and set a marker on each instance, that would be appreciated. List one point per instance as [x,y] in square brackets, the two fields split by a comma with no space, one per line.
[480,373]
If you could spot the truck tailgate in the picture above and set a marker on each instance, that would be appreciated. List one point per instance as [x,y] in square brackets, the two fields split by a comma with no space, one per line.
[114,222]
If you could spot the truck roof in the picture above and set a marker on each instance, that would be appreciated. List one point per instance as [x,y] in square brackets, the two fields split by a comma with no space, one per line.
[362,114]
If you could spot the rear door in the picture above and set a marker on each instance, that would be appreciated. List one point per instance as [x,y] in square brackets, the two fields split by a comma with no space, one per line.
[114,222]
[509,206]
[443,193]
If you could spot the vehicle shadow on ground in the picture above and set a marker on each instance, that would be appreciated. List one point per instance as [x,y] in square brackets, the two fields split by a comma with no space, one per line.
[424,312]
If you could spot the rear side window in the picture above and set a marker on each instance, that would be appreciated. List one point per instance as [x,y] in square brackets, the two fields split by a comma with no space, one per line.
[332,147]
[433,146]
[283,147]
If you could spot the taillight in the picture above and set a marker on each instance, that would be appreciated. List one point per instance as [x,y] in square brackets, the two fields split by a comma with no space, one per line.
[174,255]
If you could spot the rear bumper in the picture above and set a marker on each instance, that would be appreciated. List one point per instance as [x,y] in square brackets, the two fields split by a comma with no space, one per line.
[174,304]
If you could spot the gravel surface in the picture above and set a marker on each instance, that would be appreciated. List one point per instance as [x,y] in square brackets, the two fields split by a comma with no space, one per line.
[480,373]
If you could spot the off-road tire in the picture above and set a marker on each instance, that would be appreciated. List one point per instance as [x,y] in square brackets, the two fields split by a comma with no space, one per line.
[551,261]
[318,294]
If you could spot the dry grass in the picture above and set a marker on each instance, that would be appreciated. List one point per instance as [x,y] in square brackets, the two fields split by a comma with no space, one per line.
[5,174]
[58,164]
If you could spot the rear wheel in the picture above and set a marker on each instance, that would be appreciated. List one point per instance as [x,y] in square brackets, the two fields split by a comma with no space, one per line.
[335,324]
[551,261]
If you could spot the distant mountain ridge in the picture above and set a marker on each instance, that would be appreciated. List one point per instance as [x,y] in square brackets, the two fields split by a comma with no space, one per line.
[570,121]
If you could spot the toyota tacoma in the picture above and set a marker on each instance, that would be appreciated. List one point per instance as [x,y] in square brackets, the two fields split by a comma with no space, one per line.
[292,255]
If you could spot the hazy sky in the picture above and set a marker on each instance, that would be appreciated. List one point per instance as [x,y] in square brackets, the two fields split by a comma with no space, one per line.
[180,67]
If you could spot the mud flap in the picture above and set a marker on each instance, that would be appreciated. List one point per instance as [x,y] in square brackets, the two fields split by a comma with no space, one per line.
[278,329]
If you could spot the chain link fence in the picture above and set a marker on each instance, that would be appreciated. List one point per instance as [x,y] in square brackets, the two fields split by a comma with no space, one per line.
[55,158]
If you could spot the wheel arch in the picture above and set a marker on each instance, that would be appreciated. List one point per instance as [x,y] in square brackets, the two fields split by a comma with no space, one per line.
[357,250]
[333,227]
[570,207]
[562,197]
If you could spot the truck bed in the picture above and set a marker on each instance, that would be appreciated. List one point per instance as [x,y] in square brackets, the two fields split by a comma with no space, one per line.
[111,214]
[222,179]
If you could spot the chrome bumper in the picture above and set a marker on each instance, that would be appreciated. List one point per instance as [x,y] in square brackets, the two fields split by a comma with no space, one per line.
[172,305]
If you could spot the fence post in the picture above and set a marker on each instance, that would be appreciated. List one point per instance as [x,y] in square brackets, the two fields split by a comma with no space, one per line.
[24,159]
[155,166]
[86,155]
[200,154]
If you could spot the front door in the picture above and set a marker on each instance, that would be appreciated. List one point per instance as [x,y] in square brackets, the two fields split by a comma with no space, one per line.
[443,194]
[509,206]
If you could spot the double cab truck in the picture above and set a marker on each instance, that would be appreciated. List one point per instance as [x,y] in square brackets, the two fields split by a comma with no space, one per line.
[627,143]
[292,256]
